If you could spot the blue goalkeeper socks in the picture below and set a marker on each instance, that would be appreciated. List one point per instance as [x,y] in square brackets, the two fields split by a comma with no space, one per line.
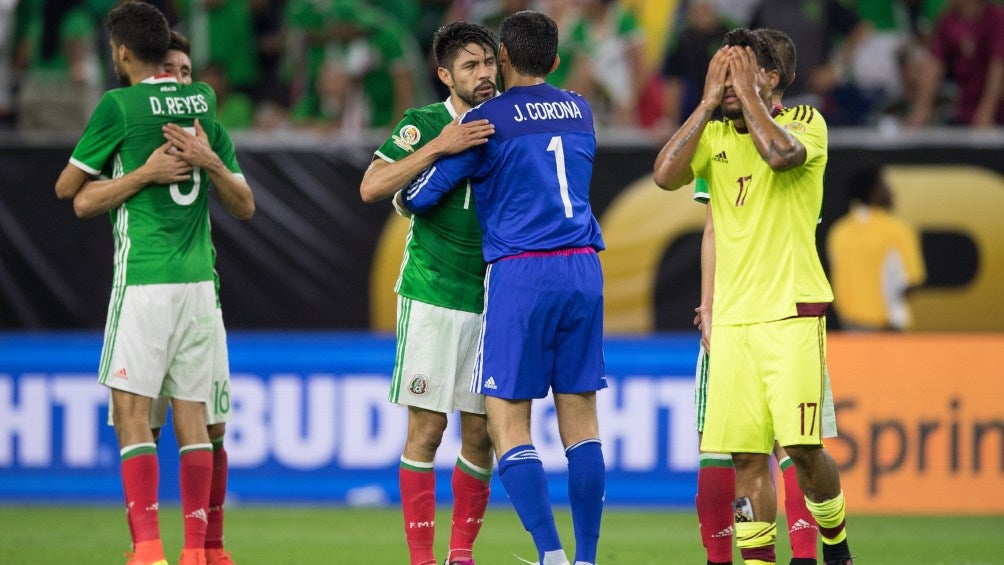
[586,490]
[522,475]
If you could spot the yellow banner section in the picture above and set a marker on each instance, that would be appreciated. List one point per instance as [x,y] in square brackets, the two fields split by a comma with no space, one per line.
[921,422]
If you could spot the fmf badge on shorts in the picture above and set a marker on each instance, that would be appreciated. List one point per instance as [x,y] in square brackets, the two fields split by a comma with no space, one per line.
[419,385]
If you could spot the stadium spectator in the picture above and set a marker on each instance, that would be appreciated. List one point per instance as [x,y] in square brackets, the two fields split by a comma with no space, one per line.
[913,66]
[56,49]
[222,32]
[269,36]
[875,258]
[686,61]
[968,46]
[739,12]
[367,72]
[566,15]
[7,8]
[828,35]
[608,38]
[234,109]
[885,66]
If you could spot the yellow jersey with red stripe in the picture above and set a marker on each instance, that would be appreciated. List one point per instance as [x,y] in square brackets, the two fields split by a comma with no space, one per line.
[766,261]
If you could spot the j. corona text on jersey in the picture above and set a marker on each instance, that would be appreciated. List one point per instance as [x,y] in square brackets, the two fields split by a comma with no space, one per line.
[548,111]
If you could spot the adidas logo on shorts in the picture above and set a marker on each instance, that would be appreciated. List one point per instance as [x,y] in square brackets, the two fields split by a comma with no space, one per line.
[490,383]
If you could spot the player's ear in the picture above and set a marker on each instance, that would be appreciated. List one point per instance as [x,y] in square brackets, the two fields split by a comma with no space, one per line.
[121,50]
[554,65]
[773,79]
[445,76]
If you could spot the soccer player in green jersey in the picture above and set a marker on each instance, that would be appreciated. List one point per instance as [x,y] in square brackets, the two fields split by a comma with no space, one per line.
[764,168]
[170,163]
[163,272]
[441,297]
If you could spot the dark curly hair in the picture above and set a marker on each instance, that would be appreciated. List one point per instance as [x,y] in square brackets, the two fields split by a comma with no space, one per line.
[142,28]
[784,53]
[531,40]
[452,37]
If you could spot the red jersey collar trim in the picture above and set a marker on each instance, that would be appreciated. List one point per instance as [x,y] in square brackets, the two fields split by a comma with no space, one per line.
[158,79]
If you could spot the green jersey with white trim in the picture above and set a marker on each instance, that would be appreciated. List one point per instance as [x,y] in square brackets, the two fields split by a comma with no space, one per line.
[443,263]
[162,233]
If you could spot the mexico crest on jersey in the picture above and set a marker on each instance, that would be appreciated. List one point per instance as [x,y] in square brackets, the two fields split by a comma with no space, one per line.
[419,385]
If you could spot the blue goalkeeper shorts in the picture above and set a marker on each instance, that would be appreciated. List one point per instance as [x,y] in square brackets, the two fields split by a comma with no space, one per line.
[543,326]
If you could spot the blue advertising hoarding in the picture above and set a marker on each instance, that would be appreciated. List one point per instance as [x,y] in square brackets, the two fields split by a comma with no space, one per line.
[311,423]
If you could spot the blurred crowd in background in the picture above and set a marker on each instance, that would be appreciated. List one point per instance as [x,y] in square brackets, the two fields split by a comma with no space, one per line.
[339,66]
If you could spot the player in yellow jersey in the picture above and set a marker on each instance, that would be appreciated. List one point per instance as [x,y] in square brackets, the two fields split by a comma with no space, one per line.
[764,167]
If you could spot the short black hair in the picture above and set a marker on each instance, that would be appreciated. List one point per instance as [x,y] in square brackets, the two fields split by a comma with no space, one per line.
[142,28]
[179,43]
[764,51]
[531,40]
[862,182]
[450,39]
[784,52]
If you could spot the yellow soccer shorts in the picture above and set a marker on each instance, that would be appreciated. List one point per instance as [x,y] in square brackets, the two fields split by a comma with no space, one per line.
[769,380]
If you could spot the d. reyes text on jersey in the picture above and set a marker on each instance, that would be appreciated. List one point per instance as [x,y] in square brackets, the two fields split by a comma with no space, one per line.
[179,105]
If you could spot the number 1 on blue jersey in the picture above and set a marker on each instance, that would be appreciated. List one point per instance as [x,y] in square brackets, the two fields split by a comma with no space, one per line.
[559,160]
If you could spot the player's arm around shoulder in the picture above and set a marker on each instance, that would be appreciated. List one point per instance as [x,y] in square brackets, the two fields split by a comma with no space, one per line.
[99,141]
[384,177]
[196,150]
[98,196]
[70,181]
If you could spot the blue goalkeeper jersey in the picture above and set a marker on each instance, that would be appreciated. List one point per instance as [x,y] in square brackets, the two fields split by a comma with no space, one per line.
[531,180]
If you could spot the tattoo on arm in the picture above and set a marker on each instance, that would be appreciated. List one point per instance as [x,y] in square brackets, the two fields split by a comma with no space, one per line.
[688,135]
[772,150]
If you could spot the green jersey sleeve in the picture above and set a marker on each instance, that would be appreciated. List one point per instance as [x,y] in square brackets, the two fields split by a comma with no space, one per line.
[223,146]
[409,135]
[101,138]
[701,192]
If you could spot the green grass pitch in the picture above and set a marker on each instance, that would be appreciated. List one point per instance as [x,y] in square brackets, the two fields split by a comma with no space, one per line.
[362,536]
